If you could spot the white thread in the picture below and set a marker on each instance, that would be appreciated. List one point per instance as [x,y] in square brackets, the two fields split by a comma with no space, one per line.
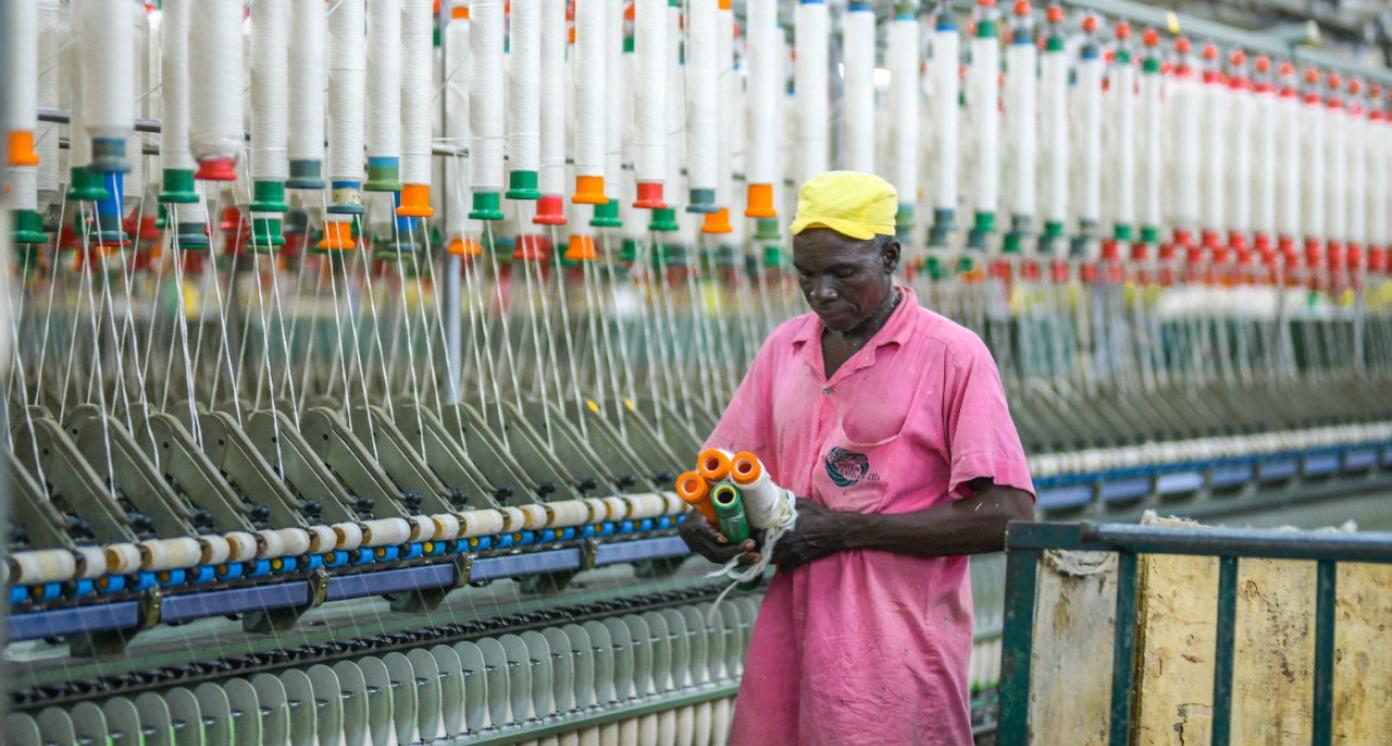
[1124,89]
[524,73]
[858,96]
[307,83]
[589,72]
[725,111]
[215,80]
[946,85]
[1312,140]
[49,93]
[21,59]
[551,178]
[347,71]
[1240,130]
[904,114]
[676,119]
[1265,160]
[616,100]
[1152,163]
[169,554]
[1358,177]
[385,532]
[702,96]
[567,513]
[1215,106]
[1020,90]
[322,539]
[1378,131]
[457,123]
[1289,172]
[486,94]
[810,87]
[417,89]
[122,559]
[42,566]
[383,94]
[174,86]
[106,48]
[1188,112]
[650,94]
[446,526]
[133,185]
[91,562]
[1335,193]
[984,78]
[242,546]
[269,75]
[480,523]
[349,535]
[1090,127]
[765,75]
[79,142]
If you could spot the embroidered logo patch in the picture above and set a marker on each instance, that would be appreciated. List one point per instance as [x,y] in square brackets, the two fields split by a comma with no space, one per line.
[846,467]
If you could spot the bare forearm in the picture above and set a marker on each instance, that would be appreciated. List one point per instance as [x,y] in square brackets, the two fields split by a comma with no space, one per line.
[972,525]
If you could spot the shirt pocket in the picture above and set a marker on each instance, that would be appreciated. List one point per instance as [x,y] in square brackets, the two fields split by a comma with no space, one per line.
[848,473]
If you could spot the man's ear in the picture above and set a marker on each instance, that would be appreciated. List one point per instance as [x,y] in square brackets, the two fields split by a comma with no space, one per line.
[889,253]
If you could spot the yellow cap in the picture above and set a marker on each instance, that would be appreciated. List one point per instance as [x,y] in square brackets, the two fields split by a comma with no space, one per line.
[854,204]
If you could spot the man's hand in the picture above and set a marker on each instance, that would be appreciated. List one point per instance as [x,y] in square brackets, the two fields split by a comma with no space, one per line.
[704,540]
[819,531]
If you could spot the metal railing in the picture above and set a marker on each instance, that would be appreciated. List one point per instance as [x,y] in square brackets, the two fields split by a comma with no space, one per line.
[1026,542]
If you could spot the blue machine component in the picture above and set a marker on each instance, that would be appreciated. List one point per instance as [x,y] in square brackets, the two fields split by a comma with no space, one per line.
[19,595]
[314,562]
[84,587]
[363,557]
[414,550]
[258,568]
[111,583]
[588,532]
[171,578]
[142,580]
[505,541]
[626,527]
[203,574]
[645,524]
[230,570]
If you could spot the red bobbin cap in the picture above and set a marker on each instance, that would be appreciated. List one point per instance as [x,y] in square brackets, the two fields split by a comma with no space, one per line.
[1150,37]
[650,196]
[1022,8]
[1182,45]
[550,210]
[1089,23]
[1262,64]
[1122,30]
[217,169]
[1054,14]
[1210,51]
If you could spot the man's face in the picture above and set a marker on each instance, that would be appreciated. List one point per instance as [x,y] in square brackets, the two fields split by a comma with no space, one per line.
[844,280]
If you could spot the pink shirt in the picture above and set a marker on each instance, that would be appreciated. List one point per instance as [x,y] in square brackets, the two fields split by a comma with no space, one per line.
[865,646]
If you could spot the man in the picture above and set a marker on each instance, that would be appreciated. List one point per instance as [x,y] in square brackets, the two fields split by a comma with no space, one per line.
[892,422]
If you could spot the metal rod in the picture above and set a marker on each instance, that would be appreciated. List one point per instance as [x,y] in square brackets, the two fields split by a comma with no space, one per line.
[1223,651]
[1268,543]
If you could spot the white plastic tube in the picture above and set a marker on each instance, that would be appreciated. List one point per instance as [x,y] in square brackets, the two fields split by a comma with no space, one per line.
[1241,133]
[946,89]
[858,90]
[765,76]
[551,178]
[307,83]
[382,98]
[524,81]
[984,77]
[1267,158]
[417,86]
[1312,138]
[591,43]
[726,112]
[1288,172]
[1124,91]
[1379,130]
[133,185]
[107,53]
[1090,127]
[215,80]
[1215,140]
[1187,112]
[702,99]
[1054,80]
[650,94]
[1021,67]
[810,87]
[675,113]
[347,72]
[1357,173]
[1336,185]
[269,99]
[486,94]
[1152,160]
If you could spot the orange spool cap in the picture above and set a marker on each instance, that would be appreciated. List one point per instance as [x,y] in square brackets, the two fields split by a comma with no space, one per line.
[19,149]
[695,491]
[581,248]
[415,202]
[745,468]
[589,190]
[464,247]
[338,236]
[713,464]
[760,202]
[717,222]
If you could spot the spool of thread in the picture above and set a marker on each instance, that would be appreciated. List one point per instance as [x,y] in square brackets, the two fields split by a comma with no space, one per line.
[618,100]
[269,544]
[383,93]
[810,36]
[646,505]
[946,90]
[713,464]
[133,185]
[671,503]
[1054,99]
[91,562]
[694,490]
[729,512]
[533,516]
[215,549]
[269,99]
[49,78]
[293,541]
[567,513]
[307,84]
[322,539]
[457,132]
[703,105]
[765,94]
[765,503]
[383,532]
[858,101]
[243,546]
[513,519]
[107,53]
[122,559]
[523,99]
[41,566]
[422,528]
[1288,169]
[904,93]
[446,526]
[215,85]
[591,40]
[486,96]
[650,101]
[480,523]
[416,117]
[347,73]
[21,60]
[616,508]
[552,86]
[349,535]
[169,554]
[599,510]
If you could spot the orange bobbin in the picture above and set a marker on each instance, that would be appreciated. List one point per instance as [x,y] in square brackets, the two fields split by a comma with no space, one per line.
[589,190]
[713,464]
[695,491]
[415,202]
[338,236]
[745,468]
[717,222]
[581,248]
[19,149]
[462,246]
[760,202]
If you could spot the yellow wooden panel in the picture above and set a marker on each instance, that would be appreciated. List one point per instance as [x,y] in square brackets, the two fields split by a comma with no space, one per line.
[1071,662]
[1175,641]
[1362,655]
[1274,644]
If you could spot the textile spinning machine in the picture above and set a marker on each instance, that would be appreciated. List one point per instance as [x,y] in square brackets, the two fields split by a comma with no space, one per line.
[355,345]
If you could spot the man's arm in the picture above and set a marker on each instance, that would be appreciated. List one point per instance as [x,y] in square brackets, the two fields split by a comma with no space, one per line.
[971,525]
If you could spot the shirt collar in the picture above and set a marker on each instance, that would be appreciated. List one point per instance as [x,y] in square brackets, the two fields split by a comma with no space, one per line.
[895,331]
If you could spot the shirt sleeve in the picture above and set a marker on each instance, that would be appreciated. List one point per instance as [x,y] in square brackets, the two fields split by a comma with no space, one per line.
[747,423]
[981,436]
